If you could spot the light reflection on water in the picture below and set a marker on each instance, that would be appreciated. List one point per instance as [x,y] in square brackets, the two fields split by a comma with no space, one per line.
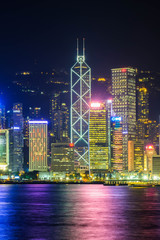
[78,212]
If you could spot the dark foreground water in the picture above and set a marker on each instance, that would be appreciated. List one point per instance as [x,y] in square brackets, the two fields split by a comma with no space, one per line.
[78,212]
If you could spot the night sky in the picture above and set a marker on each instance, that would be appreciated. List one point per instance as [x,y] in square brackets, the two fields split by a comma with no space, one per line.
[117,33]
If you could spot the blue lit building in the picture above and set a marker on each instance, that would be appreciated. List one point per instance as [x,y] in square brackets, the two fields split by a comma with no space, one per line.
[116,144]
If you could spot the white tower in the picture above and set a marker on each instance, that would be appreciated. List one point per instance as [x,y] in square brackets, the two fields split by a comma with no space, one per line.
[80,100]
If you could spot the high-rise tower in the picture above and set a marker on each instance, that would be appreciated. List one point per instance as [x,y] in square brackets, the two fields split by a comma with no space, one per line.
[38,135]
[124,104]
[2,116]
[116,144]
[98,150]
[80,100]
[109,114]
[142,123]
[18,144]
[4,149]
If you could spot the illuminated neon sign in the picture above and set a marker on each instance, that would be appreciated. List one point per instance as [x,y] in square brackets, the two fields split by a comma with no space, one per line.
[38,122]
[124,70]
[95,104]
[125,132]
[16,128]
[16,111]
[116,119]
[149,147]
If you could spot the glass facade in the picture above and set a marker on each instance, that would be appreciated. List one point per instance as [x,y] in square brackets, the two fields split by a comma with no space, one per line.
[98,150]
[124,104]
[142,109]
[2,117]
[62,157]
[4,149]
[139,156]
[18,144]
[116,145]
[80,100]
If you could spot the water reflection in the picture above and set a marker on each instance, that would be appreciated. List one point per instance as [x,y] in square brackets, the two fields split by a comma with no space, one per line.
[78,212]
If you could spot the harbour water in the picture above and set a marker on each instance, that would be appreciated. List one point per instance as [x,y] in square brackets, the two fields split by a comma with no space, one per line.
[78,211]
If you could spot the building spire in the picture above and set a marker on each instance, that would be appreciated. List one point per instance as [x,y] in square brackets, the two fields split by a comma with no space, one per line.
[81,57]
[77,48]
[84,48]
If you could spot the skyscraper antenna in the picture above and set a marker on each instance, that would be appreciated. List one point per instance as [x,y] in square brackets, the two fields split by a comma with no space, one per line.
[77,48]
[84,47]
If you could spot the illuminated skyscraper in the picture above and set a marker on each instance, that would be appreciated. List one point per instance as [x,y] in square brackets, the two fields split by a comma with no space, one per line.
[116,144]
[62,157]
[124,104]
[130,156]
[136,155]
[156,166]
[26,144]
[148,155]
[64,123]
[2,117]
[26,132]
[153,132]
[18,144]
[98,150]
[143,103]
[146,130]
[54,108]
[4,149]
[142,107]
[80,100]
[109,114]
[139,155]
[59,116]
[38,131]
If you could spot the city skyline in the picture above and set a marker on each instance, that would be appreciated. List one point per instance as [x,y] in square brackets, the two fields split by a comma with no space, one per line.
[124,148]
[43,94]
[79,120]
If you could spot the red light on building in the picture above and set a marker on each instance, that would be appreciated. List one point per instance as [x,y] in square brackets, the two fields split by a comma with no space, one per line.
[95,104]
[149,147]
[124,70]
[109,100]
[71,145]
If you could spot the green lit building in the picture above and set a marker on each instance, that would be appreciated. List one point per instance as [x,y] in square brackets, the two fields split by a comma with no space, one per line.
[156,166]
[4,149]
